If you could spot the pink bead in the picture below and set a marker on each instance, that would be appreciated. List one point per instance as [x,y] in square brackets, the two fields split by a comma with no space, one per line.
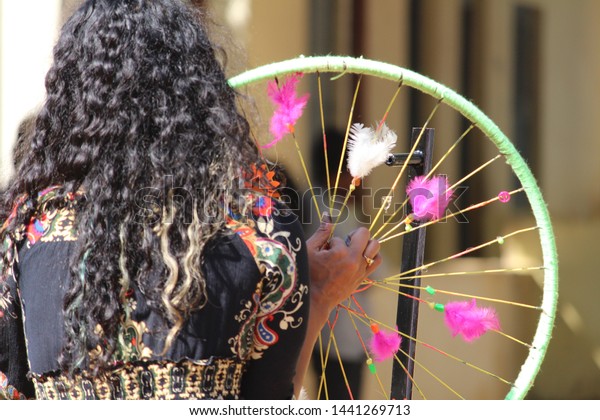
[504,196]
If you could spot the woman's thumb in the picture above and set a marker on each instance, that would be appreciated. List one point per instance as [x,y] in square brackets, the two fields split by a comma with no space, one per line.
[321,236]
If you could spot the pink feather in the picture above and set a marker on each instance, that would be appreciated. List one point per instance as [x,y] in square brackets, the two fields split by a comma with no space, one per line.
[289,107]
[469,320]
[429,198]
[384,345]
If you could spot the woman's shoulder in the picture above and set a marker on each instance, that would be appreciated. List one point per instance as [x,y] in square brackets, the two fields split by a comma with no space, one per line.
[53,219]
[266,217]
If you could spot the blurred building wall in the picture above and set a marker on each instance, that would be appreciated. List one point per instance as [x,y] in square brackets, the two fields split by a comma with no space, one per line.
[28,31]
[469,45]
[496,53]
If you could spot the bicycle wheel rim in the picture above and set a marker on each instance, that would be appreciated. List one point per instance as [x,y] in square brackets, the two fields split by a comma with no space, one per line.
[336,64]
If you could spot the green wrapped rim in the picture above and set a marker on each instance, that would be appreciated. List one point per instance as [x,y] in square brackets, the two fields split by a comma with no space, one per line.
[334,64]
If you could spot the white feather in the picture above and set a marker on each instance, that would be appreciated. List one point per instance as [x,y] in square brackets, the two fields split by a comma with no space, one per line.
[368,149]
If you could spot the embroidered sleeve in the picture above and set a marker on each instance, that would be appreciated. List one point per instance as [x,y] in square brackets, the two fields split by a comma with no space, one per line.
[278,316]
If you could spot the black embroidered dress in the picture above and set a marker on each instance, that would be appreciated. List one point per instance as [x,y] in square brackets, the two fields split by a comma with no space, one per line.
[243,344]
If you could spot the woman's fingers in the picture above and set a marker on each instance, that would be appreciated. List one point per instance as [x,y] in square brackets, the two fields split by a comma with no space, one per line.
[376,263]
[338,269]
[372,249]
[358,240]
[319,239]
[360,243]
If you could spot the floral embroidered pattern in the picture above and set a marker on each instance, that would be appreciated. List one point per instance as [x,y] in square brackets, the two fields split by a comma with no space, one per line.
[131,345]
[7,282]
[242,344]
[279,282]
[8,392]
[53,226]
[6,301]
[278,296]
[47,225]
[158,380]
[263,181]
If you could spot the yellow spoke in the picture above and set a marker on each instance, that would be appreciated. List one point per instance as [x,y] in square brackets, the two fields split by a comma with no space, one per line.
[310,185]
[327,352]
[351,315]
[437,378]
[324,362]
[467,251]
[390,104]
[427,176]
[465,295]
[463,211]
[323,379]
[397,277]
[405,165]
[337,352]
[431,347]
[450,150]
[477,170]
[386,237]
[353,185]
[343,154]
[510,337]
[397,225]
[322,114]
[337,219]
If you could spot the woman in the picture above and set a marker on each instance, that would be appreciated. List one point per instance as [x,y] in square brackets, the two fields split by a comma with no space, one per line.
[138,259]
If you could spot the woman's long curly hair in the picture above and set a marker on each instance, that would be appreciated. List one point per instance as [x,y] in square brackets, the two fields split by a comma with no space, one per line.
[137,105]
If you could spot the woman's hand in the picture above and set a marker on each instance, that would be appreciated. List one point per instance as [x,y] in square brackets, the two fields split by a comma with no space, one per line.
[337,267]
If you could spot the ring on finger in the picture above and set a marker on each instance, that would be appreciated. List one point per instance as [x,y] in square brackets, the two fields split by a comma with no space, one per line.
[369,261]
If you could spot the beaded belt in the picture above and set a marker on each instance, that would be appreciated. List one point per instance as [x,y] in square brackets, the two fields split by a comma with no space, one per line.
[156,380]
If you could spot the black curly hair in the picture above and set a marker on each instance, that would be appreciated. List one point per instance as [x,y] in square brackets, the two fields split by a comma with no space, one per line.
[136,99]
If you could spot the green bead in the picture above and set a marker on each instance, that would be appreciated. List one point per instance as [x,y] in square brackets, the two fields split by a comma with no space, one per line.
[372,369]
[430,290]
[438,307]
[500,240]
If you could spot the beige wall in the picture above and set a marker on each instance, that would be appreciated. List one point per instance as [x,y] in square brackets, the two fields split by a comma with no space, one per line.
[570,108]
[569,173]
[267,31]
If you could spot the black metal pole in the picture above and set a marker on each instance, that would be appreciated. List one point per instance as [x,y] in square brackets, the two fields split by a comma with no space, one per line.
[413,250]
